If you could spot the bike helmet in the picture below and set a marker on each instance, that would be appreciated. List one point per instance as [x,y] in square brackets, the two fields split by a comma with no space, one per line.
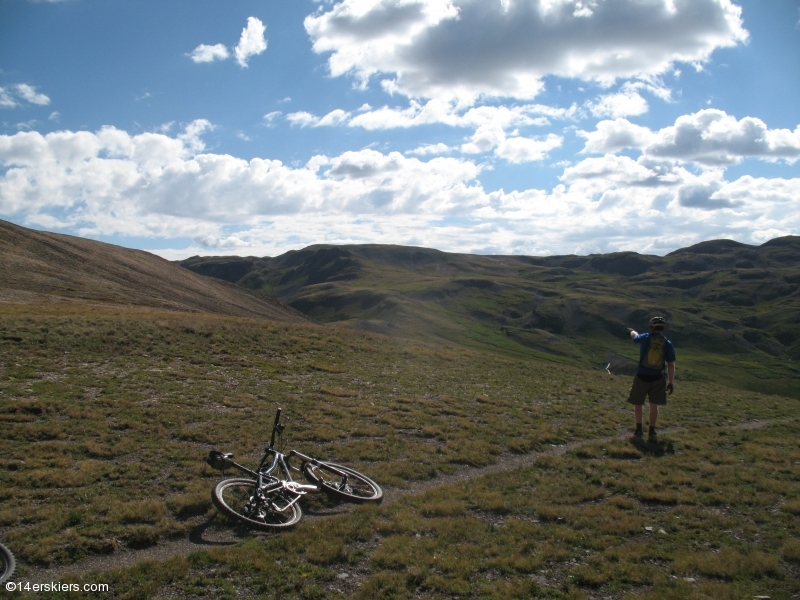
[658,323]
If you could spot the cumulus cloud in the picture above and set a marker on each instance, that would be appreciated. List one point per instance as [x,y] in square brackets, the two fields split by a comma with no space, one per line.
[710,137]
[10,96]
[154,184]
[112,172]
[251,43]
[514,149]
[205,53]
[613,136]
[703,195]
[469,48]
[628,101]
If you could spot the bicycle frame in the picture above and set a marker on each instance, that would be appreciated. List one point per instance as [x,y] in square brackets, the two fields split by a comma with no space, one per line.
[264,475]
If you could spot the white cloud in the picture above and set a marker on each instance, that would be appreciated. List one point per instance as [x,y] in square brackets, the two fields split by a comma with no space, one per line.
[712,137]
[110,176]
[335,117]
[613,136]
[252,41]
[6,99]
[520,149]
[516,149]
[611,171]
[302,119]
[156,185]
[428,149]
[306,119]
[29,94]
[454,114]
[191,138]
[209,241]
[9,96]
[205,53]
[271,117]
[469,48]
[626,102]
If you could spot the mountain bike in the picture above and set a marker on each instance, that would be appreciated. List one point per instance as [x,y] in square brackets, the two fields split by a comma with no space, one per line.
[6,564]
[270,497]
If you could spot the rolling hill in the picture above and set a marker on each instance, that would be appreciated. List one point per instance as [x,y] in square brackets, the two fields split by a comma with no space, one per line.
[733,309]
[47,267]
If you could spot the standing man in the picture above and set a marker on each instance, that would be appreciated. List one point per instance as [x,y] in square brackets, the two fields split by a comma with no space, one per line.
[655,352]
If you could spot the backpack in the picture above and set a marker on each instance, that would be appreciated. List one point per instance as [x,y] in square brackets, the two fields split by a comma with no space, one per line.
[654,357]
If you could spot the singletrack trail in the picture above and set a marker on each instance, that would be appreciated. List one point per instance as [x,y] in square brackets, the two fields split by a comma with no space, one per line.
[213,533]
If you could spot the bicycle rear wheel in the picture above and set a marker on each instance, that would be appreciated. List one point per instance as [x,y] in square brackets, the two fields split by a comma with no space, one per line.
[237,498]
[355,487]
[7,564]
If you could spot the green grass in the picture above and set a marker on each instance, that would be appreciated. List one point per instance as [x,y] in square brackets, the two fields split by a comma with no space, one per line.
[107,417]
[683,525]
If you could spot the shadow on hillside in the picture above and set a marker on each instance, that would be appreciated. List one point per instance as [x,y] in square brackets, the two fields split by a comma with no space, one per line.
[658,448]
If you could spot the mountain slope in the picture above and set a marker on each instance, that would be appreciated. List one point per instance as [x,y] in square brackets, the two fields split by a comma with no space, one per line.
[39,266]
[733,309]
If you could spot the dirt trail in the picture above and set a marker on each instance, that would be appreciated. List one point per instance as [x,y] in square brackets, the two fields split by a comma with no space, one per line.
[209,534]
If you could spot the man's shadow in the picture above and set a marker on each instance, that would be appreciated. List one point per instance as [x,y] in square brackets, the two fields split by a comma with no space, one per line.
[657,448]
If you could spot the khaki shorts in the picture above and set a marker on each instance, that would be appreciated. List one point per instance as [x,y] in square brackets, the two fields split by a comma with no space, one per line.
[656,391]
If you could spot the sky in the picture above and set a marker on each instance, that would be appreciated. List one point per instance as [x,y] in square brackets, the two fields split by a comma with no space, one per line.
[536,127]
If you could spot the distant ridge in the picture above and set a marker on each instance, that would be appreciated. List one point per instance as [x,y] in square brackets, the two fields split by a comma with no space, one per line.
[38,266]
[733,308]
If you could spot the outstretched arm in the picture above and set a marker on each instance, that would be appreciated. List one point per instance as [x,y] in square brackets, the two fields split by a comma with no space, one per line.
[633,333]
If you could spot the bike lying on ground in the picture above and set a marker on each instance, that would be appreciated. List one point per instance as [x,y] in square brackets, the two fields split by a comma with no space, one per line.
[270,498]
[6,564]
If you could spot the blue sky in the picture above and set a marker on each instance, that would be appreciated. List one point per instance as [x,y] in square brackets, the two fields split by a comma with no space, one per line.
[488,126]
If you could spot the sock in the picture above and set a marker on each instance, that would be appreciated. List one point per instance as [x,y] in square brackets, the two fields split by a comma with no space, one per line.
[652,429]
[638,427]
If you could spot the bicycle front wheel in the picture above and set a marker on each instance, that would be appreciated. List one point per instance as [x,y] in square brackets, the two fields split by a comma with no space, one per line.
[6,564]
[237,498]
[355,487]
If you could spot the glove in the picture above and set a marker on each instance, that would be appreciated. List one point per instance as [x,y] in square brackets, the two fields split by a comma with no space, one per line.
[670,389]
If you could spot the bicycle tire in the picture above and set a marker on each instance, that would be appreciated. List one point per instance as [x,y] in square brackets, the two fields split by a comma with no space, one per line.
[358,489]
[7,564]
[233,497]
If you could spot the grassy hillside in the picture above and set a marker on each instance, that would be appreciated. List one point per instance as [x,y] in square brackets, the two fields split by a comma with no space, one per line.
[732,309]
[37,266]
[107,415]
[507,464]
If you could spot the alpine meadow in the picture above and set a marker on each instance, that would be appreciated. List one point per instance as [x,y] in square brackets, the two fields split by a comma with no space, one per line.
[473,389]
[400,299]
